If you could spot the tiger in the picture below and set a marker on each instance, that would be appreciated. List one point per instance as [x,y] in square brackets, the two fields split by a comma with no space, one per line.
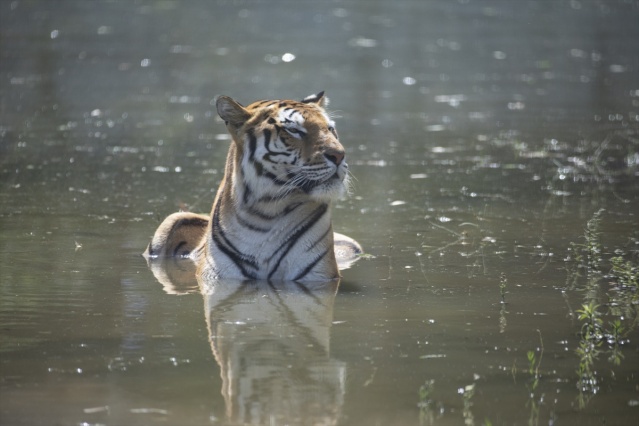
[271,216]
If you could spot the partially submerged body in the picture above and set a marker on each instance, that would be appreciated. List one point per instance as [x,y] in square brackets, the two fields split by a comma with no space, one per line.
[271,217]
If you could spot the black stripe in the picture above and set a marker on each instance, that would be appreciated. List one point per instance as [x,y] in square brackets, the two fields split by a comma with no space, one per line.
[267,141]
[261,215]
[267,145]
[269,157]
[293,238]
[310,266]
[247,193]
[272,152]
[178,247]
[265,216]
[259,169]
[267,136]
[217,227]
[268,199]
[194,221]
[290,208]
[249,225]
[220,240]
[273,178]
[252,144]
[191,222]
[321,238]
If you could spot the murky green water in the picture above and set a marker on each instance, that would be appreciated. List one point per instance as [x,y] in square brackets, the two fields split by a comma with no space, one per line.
[484,138]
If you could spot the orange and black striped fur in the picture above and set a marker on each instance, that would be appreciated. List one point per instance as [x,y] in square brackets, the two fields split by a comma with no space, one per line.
[271,217]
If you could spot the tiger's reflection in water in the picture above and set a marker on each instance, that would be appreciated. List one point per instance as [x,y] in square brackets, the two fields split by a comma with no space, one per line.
[272,344]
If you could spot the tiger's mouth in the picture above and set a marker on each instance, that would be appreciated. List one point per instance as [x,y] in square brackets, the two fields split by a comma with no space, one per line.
[333,180]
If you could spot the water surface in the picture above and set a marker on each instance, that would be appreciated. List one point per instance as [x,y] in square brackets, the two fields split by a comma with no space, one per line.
[495,151]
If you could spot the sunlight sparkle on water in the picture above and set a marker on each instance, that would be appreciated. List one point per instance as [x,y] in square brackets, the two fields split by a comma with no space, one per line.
[362,42]
[409,81]
[288,57]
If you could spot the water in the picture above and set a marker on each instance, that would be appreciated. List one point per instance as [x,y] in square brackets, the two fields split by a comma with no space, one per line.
[483,137]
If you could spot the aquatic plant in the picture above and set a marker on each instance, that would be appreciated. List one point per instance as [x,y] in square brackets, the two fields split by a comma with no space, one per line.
[616,341]
[588,351]
[626,273]
[624,297]
[534,400]
[467,393]
[503,321]
[426,404]
[503,281]
[592,324]
[587,255]
[593,242]
[602,331]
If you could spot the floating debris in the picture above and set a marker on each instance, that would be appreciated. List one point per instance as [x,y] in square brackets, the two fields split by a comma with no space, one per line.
[149,411]
[93,410]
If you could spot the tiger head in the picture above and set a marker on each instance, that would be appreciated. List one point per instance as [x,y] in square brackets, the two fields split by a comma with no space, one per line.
[286,148]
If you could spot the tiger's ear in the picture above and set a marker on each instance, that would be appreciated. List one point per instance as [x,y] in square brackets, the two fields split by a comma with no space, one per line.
[317,98]
[231,111]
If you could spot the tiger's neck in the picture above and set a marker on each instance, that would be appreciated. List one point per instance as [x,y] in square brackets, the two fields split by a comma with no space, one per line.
[264,237]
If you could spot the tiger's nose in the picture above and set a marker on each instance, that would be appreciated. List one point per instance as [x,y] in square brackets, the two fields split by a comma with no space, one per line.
[335,156]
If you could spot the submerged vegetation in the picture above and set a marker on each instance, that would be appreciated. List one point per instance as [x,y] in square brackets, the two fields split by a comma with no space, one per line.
[609,311]
[602,283]
[427,405]
[603,275]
